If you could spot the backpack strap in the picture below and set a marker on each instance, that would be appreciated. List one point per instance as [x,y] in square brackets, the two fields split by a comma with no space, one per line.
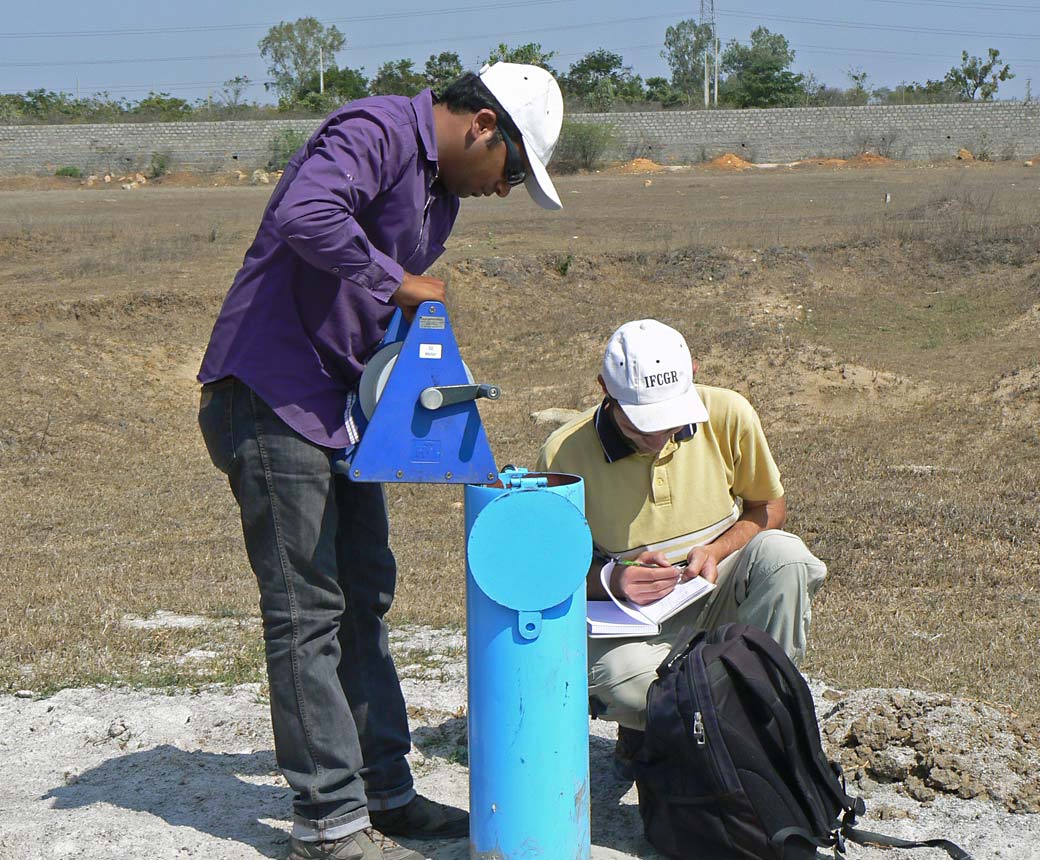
[779,838]
[804,712]
[867,837]
[864,837]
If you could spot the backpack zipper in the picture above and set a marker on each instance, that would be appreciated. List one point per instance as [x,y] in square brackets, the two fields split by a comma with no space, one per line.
[698,729]
[722,764]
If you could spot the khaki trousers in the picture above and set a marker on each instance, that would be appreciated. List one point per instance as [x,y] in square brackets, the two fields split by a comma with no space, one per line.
[768,584]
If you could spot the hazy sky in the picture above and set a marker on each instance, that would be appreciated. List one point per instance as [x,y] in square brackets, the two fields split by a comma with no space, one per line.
[189,47]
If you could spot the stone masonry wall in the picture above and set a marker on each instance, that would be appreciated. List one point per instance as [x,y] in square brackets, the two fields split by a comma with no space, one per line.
[999,130]
[995,130]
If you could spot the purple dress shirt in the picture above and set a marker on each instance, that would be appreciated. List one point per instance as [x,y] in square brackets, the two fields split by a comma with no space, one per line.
[356,208]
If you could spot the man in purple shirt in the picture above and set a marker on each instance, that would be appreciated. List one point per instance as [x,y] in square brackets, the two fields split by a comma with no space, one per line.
[362,210]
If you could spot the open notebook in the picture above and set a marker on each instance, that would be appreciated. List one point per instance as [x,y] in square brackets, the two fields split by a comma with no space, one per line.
[618,618]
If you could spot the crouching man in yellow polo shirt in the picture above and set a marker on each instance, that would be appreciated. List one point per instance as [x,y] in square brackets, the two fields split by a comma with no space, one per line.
[678,472]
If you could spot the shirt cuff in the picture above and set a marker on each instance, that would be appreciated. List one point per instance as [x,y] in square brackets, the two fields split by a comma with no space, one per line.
[381,277]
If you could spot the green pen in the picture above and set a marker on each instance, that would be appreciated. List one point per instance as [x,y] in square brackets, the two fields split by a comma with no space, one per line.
[625,562]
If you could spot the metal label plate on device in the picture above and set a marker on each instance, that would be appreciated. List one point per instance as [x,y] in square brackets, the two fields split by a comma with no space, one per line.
[426,451]
[429,350]
[431,322]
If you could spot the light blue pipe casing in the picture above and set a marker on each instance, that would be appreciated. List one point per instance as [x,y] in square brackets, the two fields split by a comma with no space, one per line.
[528,550]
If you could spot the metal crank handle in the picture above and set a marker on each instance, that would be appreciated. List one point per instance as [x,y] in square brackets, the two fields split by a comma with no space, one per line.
[438,396]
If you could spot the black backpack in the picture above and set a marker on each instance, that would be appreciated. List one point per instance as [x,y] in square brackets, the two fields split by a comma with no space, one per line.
[732,767]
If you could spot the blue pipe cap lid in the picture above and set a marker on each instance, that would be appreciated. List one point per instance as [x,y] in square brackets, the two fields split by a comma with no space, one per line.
[529,550]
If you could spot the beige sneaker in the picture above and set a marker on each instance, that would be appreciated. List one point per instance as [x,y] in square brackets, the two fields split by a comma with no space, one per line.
[364,845]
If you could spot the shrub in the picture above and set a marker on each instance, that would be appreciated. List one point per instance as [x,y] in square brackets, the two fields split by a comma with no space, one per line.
[74,172]
[159,165]
[284,145]
[582,145]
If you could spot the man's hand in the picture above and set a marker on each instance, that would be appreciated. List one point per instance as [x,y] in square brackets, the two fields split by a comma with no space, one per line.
[701,562]
[416,289]
[650,579]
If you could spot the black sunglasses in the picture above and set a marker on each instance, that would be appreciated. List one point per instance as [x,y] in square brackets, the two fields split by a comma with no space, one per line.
[515,172]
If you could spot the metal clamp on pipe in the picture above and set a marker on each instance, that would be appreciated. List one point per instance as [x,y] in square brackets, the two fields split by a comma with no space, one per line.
[437,396]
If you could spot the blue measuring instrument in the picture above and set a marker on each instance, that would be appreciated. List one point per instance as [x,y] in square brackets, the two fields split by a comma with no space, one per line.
[420,402]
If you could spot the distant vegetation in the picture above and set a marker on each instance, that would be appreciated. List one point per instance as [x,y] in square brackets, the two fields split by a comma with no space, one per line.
[305,77]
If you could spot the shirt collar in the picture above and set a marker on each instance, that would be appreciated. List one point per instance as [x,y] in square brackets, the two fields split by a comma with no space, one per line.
[422,104]
[615,445]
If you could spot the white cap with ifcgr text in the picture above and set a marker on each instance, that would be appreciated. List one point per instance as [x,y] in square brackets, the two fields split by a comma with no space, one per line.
[648,370]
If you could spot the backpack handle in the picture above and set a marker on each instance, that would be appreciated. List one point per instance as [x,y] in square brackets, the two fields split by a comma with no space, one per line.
[684,643]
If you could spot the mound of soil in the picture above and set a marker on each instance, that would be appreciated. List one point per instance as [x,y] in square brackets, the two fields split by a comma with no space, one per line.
[870,159]
[638,165]
[927,744]
[729,161]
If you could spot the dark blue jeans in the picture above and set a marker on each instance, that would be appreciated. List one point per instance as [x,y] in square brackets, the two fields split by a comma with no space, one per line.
[318,545]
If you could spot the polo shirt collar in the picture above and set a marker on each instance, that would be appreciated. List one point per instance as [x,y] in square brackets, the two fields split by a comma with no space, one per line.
[615,445]
[422,104]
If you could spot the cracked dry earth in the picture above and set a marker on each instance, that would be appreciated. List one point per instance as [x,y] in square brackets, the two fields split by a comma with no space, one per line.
[100,773]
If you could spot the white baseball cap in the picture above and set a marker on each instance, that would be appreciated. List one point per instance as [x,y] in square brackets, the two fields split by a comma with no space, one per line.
[648,370]
[532,98]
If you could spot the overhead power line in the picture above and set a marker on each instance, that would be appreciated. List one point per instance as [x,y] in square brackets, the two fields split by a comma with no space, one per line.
[559,28]
[354,19]
[867,25]
[38,65]
[415,13]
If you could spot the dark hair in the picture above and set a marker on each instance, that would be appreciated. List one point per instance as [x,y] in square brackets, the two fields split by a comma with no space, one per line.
[468,94]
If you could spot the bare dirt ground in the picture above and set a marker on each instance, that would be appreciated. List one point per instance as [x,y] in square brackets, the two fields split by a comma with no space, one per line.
[111,772]
[884,321]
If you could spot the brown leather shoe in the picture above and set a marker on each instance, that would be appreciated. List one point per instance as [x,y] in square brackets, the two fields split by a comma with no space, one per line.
[422,818]
[363,845]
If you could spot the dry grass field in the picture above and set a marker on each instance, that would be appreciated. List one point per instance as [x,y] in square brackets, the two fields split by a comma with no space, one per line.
[891,349]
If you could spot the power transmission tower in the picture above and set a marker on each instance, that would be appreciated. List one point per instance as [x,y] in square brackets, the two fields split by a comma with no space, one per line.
[703,18]
[715,44]
[711,51]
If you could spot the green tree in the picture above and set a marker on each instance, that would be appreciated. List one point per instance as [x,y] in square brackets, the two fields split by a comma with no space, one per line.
[685,45]
[975,76]
[341,85]
[294,50]
[661,90]
[764,43]
[758,73]
[914,93]
[231,94]
[162,107]
[600,78]
[441,69]
[859,93]
[397,77]
[531,53]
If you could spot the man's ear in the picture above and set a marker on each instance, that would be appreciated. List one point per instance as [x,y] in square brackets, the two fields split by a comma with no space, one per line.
[696,366]
[483,124]
[602,384]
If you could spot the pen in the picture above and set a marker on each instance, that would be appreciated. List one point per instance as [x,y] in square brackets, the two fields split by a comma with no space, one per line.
[625,562]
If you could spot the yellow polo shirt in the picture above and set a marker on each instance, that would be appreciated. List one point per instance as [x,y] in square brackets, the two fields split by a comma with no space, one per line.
[686,495]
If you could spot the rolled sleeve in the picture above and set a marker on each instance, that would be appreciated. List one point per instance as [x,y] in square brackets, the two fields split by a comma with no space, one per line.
[351,164]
